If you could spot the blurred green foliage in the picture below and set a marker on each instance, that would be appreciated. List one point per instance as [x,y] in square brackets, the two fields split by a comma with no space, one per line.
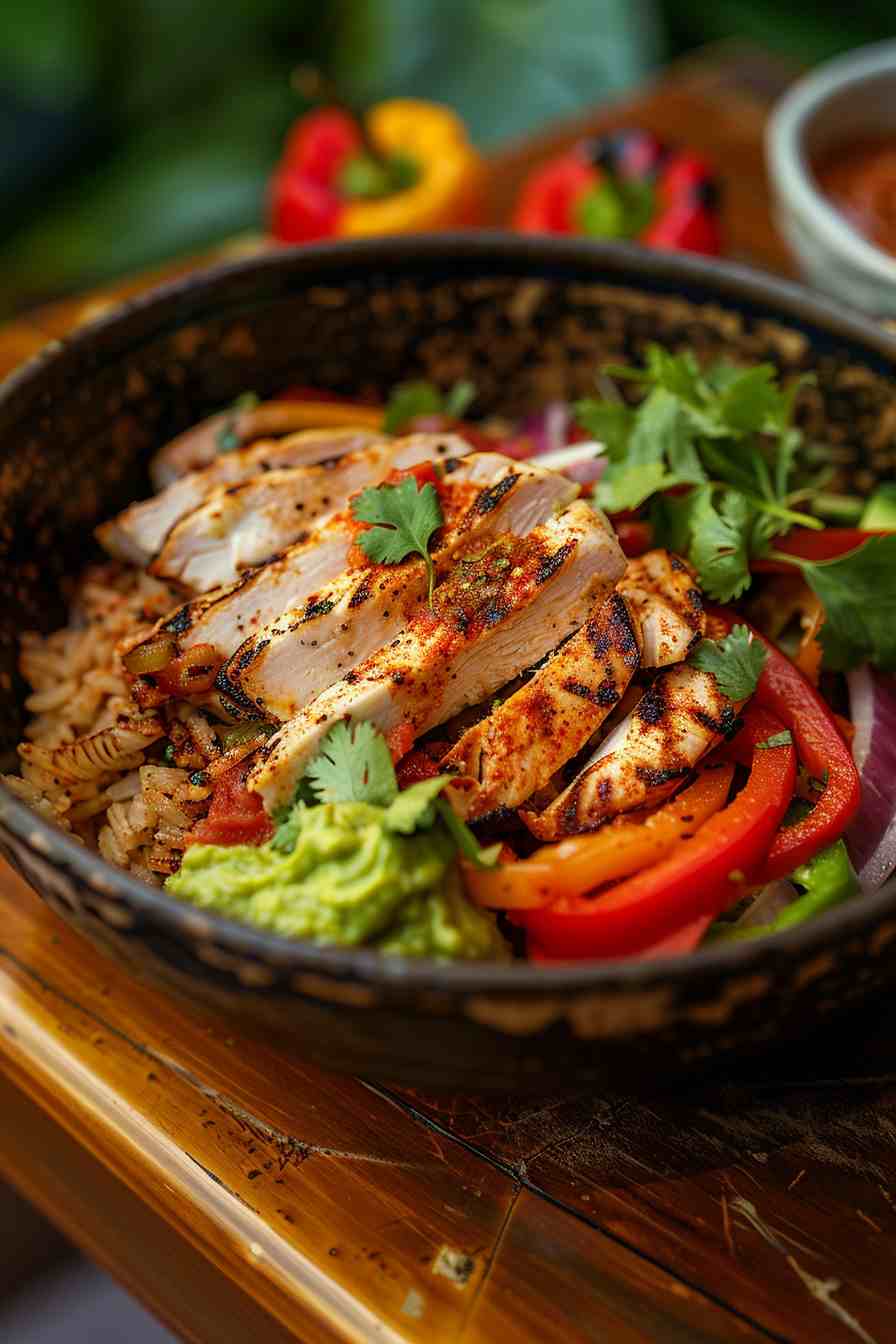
[143,129]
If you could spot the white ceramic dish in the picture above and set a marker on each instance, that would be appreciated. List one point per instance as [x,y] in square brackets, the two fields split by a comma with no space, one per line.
[843,101]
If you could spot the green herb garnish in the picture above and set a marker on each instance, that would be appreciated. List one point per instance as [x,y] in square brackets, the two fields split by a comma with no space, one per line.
[404,517]
[354,766]
[724,439]
[411,400]
[735,661]
[858,593]
[782,739]
[228,439]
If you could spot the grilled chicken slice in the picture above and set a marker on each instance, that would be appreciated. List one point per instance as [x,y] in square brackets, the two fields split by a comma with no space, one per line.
[200,445]
[489,491]
[242,525]
[662,593]
[138,533]
[505,758]
[494,615]
[645,757]
[289,661]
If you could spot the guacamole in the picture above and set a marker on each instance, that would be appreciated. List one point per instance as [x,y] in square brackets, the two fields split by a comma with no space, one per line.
[349,878]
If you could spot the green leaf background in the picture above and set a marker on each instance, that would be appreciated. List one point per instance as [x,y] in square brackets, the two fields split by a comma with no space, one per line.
[175,109]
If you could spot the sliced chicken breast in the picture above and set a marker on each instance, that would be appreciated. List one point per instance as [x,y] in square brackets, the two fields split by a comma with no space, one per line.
[494,615]
[242,525]
[290,660]
[645,757]
[662,593]
[138,533]
[200,445]
[505,758]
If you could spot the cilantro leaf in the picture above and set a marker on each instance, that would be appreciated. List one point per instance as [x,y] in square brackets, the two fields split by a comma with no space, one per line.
[410,400]
[735,661]
[405,517]
[413,810]
[718,547]
[858,593]
[464,838]
[782,739]
[353,766]
[623,488]
[610,422]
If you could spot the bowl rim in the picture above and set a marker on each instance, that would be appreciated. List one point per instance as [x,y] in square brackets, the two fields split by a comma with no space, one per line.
[789,167]
[498,252]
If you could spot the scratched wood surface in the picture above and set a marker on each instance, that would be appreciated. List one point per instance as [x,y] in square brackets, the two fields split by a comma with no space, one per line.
[243,1195]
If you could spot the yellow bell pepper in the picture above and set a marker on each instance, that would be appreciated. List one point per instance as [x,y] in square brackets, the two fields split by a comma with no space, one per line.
[447,192]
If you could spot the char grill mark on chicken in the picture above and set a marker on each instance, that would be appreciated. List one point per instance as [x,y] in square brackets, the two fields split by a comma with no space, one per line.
[494,615]
[291,659]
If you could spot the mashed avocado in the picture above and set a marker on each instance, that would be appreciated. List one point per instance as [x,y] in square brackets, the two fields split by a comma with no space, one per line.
[349,878]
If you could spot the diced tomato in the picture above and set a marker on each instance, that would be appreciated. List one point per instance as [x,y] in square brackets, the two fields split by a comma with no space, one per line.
[634,536]
[236,816]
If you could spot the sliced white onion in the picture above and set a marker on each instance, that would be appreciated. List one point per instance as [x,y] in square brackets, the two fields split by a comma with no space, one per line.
[871,839]
[768,904]
[582,462]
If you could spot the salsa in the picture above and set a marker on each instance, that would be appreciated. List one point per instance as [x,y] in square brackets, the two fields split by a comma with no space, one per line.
[860,179]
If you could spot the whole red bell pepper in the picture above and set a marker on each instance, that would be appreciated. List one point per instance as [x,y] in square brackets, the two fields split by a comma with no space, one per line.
[784,691]
[704,876]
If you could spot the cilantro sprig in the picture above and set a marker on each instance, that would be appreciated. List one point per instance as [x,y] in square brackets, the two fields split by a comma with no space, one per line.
[858,593]
[354,765]
[404,517]
[736,662]
[410,400]
[724,441]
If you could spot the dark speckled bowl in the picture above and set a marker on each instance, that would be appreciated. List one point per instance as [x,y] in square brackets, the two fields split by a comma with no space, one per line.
[526,320]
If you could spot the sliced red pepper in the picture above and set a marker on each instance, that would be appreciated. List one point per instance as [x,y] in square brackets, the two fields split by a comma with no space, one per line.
[702,877]
[236,816]
[785,692]
[685,227]
[686,939]
[806,544]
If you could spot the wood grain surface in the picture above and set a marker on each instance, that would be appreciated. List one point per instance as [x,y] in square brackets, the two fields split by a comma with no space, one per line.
[244,1195]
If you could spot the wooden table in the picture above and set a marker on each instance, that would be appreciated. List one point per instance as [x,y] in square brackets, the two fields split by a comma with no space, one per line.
[243,1195]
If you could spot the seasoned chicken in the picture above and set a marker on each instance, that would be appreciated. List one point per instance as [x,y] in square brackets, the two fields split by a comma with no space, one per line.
[661,591]
[646,756]
[242,525]
[138,533]
[494,615]
[487,491]
[524,741]
[201,444]
[290,660]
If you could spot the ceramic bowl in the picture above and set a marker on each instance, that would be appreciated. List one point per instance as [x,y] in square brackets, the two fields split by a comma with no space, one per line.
[528,320]
[837,104]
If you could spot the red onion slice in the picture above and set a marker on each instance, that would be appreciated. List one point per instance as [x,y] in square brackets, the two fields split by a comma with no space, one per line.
[871,839]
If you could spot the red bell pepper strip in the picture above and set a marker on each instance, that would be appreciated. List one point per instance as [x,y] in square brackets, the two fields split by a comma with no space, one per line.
[702,877]
[784,691]
[806,544]
[685,939]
